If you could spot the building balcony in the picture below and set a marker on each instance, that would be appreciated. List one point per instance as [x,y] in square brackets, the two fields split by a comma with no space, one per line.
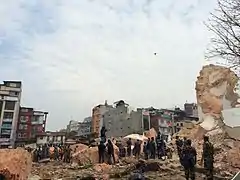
[2,140]
[7,120]
[6,132]
[6,126]
[37,122]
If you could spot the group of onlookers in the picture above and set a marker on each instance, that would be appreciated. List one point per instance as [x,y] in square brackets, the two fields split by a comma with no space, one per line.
[56,152]
[188,157]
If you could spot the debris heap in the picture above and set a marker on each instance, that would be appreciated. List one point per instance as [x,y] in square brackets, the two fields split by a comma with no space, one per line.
[215,90]
[15,164]
[87,155]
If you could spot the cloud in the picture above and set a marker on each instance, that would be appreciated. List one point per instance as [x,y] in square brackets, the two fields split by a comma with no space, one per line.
[72,55]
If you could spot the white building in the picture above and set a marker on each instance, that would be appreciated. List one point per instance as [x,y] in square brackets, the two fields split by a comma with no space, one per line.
[73,126]
[10,96]
[51,138]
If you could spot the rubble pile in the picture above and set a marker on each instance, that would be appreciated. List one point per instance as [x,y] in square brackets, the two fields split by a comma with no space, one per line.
[215,92]
[78,147]
[90,155]
[15,164]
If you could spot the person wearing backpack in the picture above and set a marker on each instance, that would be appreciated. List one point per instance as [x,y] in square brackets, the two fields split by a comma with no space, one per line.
[189,160]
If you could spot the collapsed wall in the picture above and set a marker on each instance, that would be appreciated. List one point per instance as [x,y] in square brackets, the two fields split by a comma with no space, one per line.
[215,92]
[15,164]
[218,105]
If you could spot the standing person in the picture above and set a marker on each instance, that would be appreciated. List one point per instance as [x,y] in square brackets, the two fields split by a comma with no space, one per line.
[162,148]
[179,144]
[129,147]
[153,148]
[208,157]
[149,147]
[189,159]
[103,134]
[122,150]
[101,150]
[110,150]
[145,150]
[158,141]
[56,155]
[137,147]
[67,156]
[39,153]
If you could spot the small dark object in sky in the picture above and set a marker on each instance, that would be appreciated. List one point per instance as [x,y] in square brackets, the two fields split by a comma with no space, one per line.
[155,54]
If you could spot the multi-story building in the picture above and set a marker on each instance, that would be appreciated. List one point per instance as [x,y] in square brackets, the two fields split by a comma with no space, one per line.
[38,123]
[24,125]
[121,121]
[84,129]
[97,117]
[30,123]
[191,110]
[10,96]
[73,126]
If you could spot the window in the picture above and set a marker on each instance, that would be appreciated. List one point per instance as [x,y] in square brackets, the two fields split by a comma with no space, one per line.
[23,119]
[181,124]
[24,110]
[22,135]
[41,138]
[22,127]
[10,105]
[8,115]
[47,138]
[12,93]
[13,85]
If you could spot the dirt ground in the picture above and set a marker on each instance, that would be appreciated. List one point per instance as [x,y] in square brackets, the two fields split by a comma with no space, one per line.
[154,170]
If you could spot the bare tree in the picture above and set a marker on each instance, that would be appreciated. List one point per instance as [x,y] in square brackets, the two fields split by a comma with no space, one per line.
[225,23]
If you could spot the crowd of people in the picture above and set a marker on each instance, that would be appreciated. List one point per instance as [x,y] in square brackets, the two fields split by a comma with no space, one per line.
[155,146]
[152,148]
[56,152]
[188,157]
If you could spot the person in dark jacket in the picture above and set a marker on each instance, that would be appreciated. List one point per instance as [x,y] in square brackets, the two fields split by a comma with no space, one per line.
[101,150]
[110,150]
[137,147]
[103,134]
[152,148]
[159,145]
[122,151]
[208,157]
[145,150]
[189,160]
[179,144]
[129,146]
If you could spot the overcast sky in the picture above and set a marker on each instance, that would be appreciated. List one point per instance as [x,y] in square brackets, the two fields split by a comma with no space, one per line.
[73,54]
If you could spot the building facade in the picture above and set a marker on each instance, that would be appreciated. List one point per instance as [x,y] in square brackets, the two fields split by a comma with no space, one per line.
[30,123]
[84,129]
[97,117]
[38,122]
[10,97]
[51,138]
[73,126]
[24,125]
[191,110]
[120,121]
